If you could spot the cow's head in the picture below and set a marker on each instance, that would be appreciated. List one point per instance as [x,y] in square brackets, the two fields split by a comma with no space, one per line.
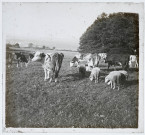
[74,62]
[48,58]
[38,56]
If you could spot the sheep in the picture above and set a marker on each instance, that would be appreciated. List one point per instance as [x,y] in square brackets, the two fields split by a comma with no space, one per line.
[114,78]
[95,74]
[123,72]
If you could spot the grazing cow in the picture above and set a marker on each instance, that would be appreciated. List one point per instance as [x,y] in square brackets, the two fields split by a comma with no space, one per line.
[94,60]
[115,78]
[89,60]
[117,59]
[9,58]
[31,55]
[133,62]
[19,58]
[95,73]
[51,64]
[74,62]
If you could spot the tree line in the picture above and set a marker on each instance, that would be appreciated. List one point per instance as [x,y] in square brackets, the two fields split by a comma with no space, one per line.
[113,33]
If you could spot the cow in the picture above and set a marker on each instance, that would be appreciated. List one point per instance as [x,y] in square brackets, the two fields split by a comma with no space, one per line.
[18,57]
[89,60]
[9,59]
[74,62]
[93,61]
[133,62]
[115,78]
[31,55]
[118,59]
[51,63]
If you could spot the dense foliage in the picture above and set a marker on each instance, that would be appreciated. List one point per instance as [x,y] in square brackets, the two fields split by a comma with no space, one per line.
[117,32]
[12,45]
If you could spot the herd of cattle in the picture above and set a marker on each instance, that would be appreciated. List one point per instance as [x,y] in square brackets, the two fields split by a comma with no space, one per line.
[51,63]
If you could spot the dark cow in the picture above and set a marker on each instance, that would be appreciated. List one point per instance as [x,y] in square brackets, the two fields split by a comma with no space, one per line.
[18,57]
[9,59]
[31,56]
[51,64]
[118,59]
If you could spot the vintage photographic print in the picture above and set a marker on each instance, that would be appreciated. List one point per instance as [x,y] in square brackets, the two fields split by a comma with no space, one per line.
[74,66]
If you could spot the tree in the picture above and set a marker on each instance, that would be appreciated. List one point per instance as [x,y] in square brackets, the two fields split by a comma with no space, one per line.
[118,30]
[16,45]
[8,45]
[30,45]
[53,48]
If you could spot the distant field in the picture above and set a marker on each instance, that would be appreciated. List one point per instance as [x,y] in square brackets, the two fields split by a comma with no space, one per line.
[72,102]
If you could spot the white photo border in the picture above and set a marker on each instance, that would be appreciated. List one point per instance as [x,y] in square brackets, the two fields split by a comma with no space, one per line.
[140,128]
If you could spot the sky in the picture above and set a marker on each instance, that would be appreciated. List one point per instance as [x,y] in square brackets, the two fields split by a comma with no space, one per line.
[53,24]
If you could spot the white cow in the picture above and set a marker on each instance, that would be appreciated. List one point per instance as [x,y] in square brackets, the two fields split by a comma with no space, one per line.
[94,60]
[90,60]
[133,63]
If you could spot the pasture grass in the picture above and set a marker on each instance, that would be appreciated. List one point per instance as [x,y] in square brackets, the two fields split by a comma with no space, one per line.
[72,102]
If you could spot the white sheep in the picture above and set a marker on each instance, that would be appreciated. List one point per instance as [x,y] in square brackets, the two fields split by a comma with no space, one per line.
[114,78]
[121,71]
[95,74]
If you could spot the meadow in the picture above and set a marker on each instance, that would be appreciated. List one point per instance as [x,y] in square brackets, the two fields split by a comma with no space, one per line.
[72,102]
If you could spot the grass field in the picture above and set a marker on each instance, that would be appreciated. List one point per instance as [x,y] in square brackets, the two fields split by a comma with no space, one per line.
[72,102]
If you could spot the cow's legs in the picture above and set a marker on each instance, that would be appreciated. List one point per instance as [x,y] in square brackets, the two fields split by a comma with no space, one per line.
[17,64]
[108,65]
[45,76]
[50,79]
[56,76]
[136,65]
[97,63]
